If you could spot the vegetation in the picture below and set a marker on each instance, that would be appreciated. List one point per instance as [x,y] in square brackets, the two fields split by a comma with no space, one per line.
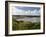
[24,25]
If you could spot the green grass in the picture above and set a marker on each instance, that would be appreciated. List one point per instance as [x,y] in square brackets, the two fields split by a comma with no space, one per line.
[24,25]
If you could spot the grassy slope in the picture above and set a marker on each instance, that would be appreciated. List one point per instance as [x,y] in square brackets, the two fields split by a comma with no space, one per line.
[24,25]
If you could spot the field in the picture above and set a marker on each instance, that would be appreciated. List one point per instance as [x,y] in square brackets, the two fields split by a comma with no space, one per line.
[24,25]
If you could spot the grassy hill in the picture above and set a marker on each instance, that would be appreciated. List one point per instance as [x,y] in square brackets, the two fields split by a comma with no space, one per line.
[24,25]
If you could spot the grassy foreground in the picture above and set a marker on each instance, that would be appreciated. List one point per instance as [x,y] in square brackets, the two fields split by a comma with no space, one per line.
[24,25]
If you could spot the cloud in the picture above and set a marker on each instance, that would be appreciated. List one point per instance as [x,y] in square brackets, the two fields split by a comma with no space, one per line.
[17,11]
[35,12]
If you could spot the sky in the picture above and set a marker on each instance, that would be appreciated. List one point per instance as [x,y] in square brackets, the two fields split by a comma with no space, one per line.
[20,10]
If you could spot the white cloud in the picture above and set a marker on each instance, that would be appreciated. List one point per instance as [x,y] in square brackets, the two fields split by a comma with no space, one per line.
[23,12]
[35,12]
